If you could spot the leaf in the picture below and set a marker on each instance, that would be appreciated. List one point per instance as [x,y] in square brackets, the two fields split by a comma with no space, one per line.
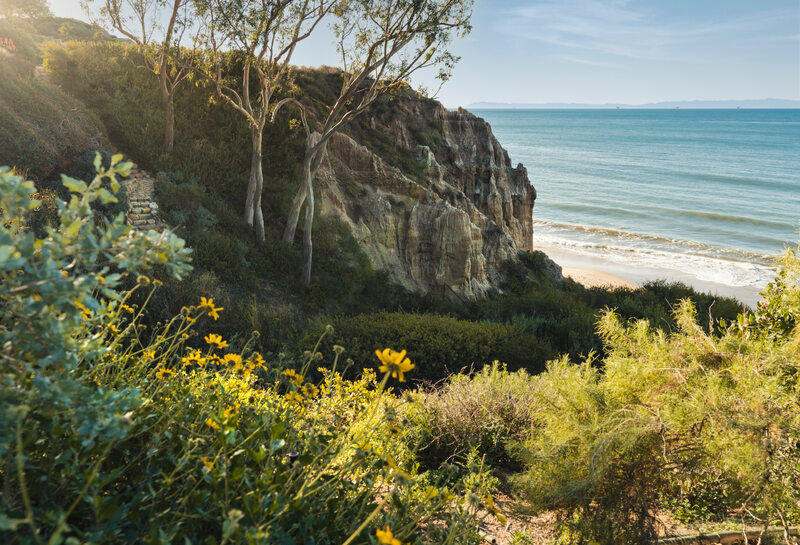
[106,196]
[8,523]
[76,186]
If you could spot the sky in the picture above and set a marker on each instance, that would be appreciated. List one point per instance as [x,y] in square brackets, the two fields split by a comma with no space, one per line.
[610,51]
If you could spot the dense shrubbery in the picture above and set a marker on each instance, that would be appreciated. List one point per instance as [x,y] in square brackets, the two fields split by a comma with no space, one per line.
[489,412]
[706,424]
[441,345]
[113,431]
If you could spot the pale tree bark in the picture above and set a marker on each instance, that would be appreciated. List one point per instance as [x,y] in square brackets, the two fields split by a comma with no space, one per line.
[255,186]
[169,115]
[311,162]
[307,243]
[266,33]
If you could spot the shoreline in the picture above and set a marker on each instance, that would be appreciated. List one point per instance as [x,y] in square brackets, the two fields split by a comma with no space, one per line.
[595,271]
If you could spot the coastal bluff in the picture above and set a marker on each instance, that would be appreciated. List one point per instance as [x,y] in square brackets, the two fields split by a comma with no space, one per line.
[445,219]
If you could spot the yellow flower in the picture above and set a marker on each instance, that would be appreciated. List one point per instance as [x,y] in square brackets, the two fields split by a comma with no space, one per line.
[294,377]
[210,423]
[195,358]
[395,363]
[113,329]
[64,273]
[149,354]
[206,462]
[86,313]
[209,304]
[235,359]
[216,340]
[294,396]
[163,373]
[101,278]
[493,510]
[386,537]
[127,309]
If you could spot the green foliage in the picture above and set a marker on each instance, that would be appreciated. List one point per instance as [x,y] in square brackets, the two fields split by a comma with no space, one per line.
[116,431]
[41,128]
[439,345]
[706,424]
[489,412]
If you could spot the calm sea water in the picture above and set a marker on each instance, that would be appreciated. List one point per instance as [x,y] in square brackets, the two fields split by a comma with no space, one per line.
[711,193]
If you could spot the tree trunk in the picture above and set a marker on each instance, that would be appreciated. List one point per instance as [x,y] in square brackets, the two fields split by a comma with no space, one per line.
[309,223]
[312,162]
[169,116]
[255,188]
[258,174]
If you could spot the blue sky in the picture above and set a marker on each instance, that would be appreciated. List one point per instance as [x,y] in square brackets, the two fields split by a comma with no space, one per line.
[626,51]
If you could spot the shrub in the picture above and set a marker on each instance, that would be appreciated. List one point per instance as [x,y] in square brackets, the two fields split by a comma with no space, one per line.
[440,345]
[668,414]
[115,431]
[488,412]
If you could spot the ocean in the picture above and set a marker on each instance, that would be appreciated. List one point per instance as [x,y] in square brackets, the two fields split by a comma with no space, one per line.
[703,196]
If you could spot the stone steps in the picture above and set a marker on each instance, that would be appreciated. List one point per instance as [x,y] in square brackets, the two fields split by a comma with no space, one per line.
[143,212]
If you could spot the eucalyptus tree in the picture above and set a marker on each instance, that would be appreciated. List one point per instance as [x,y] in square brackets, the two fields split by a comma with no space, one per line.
[381,43]
[158,29]
[265,33]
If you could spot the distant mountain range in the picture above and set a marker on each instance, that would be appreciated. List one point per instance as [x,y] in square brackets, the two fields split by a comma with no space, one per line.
[687,104]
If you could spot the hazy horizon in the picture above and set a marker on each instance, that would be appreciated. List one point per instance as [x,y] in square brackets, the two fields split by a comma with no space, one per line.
[608,51]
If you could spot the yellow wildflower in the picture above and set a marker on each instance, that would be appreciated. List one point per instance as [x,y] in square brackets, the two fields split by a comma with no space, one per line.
[127,309]
[86,313]
[149,354]
[294,377]
[395,363]
[386,537]
[294,396]
[210,423]
[233,359]
[113,329]
[216,340]
[259,359]
[101,278]
[489,501]
[64,273]
[209,304]
[207,463]
[195,358]
[163,373]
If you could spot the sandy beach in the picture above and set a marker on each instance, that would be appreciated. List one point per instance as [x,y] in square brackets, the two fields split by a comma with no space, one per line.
[598,272]
[591,278]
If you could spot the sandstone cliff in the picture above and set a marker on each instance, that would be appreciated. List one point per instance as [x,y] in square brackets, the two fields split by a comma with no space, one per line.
[447,213]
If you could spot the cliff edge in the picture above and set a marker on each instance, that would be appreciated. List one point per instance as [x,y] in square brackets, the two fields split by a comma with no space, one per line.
[447,213]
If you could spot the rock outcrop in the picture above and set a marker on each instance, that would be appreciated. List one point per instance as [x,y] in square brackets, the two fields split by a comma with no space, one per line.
[445,227]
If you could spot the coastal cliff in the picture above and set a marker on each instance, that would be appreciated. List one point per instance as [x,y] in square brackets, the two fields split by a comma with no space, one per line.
[448,215]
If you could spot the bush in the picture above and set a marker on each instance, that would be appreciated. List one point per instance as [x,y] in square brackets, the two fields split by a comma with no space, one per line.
[489,412]
[668,415]
[440,345]
[113,431]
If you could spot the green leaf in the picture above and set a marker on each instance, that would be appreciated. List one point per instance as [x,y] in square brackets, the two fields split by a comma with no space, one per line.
[8,523]
[76,186]
[106,196]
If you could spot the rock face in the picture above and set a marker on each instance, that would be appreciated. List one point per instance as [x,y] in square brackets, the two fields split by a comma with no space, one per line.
[446,221]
